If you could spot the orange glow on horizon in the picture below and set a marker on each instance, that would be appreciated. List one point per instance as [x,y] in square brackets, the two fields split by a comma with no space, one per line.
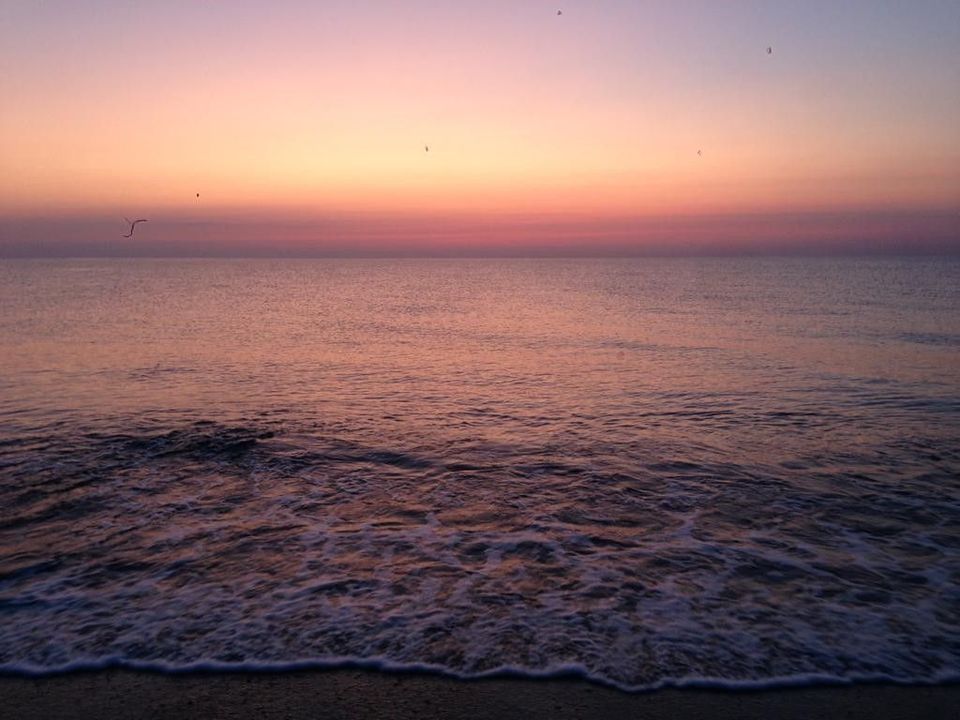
[305,110]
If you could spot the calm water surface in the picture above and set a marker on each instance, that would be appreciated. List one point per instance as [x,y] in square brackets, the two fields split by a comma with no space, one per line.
[648,471]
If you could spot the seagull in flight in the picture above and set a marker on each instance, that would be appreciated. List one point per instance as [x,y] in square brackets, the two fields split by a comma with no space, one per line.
[133,224]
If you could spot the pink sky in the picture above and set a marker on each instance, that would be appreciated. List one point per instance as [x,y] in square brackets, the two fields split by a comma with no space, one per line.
[302,125]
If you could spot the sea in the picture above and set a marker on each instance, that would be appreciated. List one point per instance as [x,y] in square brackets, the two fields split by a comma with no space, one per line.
[648,472]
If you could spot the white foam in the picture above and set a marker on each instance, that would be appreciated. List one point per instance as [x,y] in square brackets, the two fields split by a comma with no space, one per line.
[565,671]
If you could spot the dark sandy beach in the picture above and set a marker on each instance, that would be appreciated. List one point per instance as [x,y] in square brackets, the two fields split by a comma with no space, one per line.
[361,694]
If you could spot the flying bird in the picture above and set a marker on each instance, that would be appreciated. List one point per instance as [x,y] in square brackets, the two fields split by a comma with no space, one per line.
[700,153]
[426,148]
[559,12]
[133,224]
[769,51]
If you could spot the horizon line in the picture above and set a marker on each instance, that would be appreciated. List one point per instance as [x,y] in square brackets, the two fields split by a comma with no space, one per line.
[952,253]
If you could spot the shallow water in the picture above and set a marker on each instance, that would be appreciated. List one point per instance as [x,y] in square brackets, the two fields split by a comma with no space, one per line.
[650,471]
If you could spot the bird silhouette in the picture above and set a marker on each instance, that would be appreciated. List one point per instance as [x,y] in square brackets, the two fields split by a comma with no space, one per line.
[559,12]
[426,148]
[133,224]
[700,153]
[769,51]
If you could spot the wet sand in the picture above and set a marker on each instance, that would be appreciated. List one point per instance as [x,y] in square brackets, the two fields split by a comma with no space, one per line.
[362,694]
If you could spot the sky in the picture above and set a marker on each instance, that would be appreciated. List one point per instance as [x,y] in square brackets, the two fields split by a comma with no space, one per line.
[618,126]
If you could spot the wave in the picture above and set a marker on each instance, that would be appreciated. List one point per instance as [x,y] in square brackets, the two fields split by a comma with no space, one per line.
[560,672]
[264,544]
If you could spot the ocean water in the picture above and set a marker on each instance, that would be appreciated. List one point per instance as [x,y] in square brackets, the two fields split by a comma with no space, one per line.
[649,472]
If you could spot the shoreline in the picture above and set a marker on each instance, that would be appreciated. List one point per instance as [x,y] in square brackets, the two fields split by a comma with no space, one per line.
[359,693]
